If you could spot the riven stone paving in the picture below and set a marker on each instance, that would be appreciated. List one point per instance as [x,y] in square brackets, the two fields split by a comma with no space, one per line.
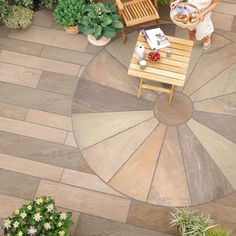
[50,79]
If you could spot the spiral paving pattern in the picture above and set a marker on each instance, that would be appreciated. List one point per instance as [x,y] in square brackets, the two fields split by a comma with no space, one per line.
[177,155]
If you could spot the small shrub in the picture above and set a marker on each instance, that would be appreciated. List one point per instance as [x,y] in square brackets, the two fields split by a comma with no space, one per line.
[219,231]
[191,224]
[38,218]
[4,9]
[24,3]
[18,17]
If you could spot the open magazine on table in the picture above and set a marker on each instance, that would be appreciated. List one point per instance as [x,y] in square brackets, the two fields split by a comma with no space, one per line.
[156,38]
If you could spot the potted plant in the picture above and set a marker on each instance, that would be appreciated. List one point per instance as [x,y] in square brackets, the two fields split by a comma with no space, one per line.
[39,217]
[218,231]
[68,14]
[189,223]
[4,10]
[100,23]
[18,17]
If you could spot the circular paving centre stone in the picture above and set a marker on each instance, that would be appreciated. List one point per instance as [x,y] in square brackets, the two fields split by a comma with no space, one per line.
[177,113]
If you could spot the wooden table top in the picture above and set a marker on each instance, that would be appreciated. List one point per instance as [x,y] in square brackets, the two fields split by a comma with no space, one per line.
[170,70]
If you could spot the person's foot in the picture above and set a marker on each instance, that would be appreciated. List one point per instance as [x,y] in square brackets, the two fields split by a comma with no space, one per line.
[207,43]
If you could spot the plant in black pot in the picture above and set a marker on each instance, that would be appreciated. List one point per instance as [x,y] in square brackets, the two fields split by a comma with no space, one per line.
[100,23]
[69,13]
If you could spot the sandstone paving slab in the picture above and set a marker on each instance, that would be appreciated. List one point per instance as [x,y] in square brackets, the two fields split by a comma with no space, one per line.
[12,111]
[222,84]
[86,201]
[209,66]
[57,83]
[32,130]
[39,150]
[222,124]
[221,150]
[87,181]
[9,204]
[107,157]
[70,56]
[230,200]
[222,21]
[84,167]
[20,46]
[18,185]
[51,37]
[93,49]
[91,128]
[139,169]
[116,78]
[226,8]
[123,52]
[233,29]
[93,97]
[221,105]
[28,167]
[217,42]
[35,98]
[43,18]
[229,35]
[19,75]
[39,63]
[94,226]
[49,119]
[201,171]
[4,30]
[169,185]
[70,140]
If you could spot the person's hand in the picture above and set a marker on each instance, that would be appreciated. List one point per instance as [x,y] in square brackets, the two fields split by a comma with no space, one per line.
[201,16]
[174,4]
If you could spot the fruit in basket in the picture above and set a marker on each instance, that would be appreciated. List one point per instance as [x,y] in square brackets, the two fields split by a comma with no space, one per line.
[154,56]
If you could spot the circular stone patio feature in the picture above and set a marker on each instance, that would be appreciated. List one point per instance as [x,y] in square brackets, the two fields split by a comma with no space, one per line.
[177,113]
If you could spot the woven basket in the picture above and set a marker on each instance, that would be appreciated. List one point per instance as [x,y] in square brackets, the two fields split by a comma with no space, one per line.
[181,23]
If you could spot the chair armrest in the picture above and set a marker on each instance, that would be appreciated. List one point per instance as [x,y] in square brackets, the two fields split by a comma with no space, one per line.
[119,5]
[155,3]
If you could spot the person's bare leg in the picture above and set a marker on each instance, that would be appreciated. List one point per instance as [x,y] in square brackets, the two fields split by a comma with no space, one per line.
[192,34]
[207,42]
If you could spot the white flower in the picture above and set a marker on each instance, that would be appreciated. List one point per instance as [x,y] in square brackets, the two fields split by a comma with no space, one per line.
[20,233]
[37,217]
[23,215]
[29,207]
[47,226]
[59,224]
[16,224]
[50,208]
[7,224]
[17,212]
[51,218]
[61,233]
[32,230]
[39,201]
[63,216]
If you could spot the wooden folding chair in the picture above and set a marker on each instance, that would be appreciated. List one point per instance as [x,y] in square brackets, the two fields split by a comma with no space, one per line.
[137,12]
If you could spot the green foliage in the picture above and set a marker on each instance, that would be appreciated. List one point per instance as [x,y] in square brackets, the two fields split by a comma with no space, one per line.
[163,2]
[4,9]
[18,17]
[38,218]
[218,231]
[69,12]
[24,3]
[101,20]
[191,224]
[48,4]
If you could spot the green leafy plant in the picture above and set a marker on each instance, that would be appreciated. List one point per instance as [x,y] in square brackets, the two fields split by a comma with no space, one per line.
[38,218]
[4,9]
[18,17]
[69,13]
[219,231]
[48,4]
[191,224]
[24,3]
[101,20]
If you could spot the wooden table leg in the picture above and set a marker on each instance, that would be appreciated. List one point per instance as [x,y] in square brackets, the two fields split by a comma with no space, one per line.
[140,87]
[171,93]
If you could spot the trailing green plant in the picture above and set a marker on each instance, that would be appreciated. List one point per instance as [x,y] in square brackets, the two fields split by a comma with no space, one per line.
[4,9]
[18,17]
[24,3]
[219,231]
[191,224]
[69,13]
[101,20]
[39,217]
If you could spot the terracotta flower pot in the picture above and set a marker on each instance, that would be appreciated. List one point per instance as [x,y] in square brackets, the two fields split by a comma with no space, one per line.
[101,42]
[72,29]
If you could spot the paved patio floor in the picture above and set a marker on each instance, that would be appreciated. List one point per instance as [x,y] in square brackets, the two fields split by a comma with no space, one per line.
[68,110]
